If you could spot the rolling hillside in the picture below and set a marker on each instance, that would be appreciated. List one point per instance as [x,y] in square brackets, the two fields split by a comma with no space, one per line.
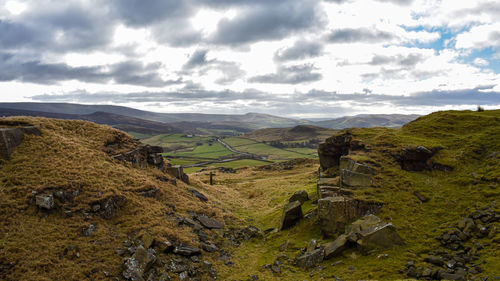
[368,121]
[297,133]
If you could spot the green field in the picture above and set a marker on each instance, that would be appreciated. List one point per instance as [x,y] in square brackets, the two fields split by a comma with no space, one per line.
[262,149]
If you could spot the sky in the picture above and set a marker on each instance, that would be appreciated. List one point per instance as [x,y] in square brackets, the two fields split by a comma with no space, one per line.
[293,58]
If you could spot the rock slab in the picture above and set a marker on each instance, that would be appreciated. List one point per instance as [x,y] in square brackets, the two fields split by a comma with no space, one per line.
[292,213]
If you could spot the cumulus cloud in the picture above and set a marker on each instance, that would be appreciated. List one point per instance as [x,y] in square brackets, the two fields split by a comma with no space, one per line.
[301,49]
[289,75]
[353,35]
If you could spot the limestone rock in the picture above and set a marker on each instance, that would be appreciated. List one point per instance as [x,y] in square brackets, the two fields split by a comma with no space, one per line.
[138,264]
[311,259]
[301,196]
[380,236]
[45,201]
[292,213]
[354,179]
[336,212]
[332,149]
[10,138]
[336,247]
[363,224]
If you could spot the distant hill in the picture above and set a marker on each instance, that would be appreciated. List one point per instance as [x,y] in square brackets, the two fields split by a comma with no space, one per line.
[253,120]
[368,121]
[300,132]
[124,123]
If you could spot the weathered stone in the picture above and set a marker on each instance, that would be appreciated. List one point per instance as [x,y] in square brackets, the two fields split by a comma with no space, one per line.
[10,138]
[198,194]
[329,191]
[165,246]
[138,264]
[186,251]
[300,196]
[381,236]
[332,149]
[434,260]
[363,224]
[177,172]
[142,156]
[346,163]
[311,246]
[362,169]
[311,259]
[329,181]
[209,223]
[451,276]
[45,201]
[354,179]
[292,213]
[336,247]
[335,213]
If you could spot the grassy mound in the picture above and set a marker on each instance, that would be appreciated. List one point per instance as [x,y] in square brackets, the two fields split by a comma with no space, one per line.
[73,157]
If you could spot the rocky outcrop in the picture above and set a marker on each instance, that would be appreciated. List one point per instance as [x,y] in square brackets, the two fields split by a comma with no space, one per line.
[143,156]
[335,213]
[107,207]
[310,259]
[354,174]
[332,149]
[138,264]
[292,213]
[10,138]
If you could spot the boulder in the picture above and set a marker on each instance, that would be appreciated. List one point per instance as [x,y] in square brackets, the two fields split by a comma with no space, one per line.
[381,236]
[138,264]
[209,223]
[292,213]
[362,169]
[335,213]
[336,247]
[300,196]
[45,201]
[310,259]
[346,163]
[10,138]
[354,179]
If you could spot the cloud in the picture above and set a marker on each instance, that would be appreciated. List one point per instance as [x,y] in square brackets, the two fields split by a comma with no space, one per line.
[273,21]
[198,58]
[408,61]
[480,37]
[35,71]
[354,35]
[315,98]
[289,75]
[301,49]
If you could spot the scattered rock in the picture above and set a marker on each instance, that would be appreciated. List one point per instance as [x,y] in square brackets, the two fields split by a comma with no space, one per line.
[209,247]
[434,260]
[138,264]
[198,195]
[147,240]
[292,213]
[45,201]
[186,251]
[109,206]
[336,247]
[209,223]
[311,259]
[177,172]
[415,158]
[300,196]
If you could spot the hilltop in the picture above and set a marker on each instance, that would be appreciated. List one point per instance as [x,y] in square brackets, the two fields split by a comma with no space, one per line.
[297,133]
[368,121]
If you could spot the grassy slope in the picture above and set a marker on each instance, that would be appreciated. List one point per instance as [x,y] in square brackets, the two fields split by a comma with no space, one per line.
[68,156]
[258,148]
[466,138]
[297,133]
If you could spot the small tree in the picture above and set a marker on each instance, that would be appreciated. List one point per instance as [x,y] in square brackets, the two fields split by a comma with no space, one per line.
[480,108]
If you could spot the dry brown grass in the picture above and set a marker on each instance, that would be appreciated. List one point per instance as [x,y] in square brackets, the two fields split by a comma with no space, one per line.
[70,155]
